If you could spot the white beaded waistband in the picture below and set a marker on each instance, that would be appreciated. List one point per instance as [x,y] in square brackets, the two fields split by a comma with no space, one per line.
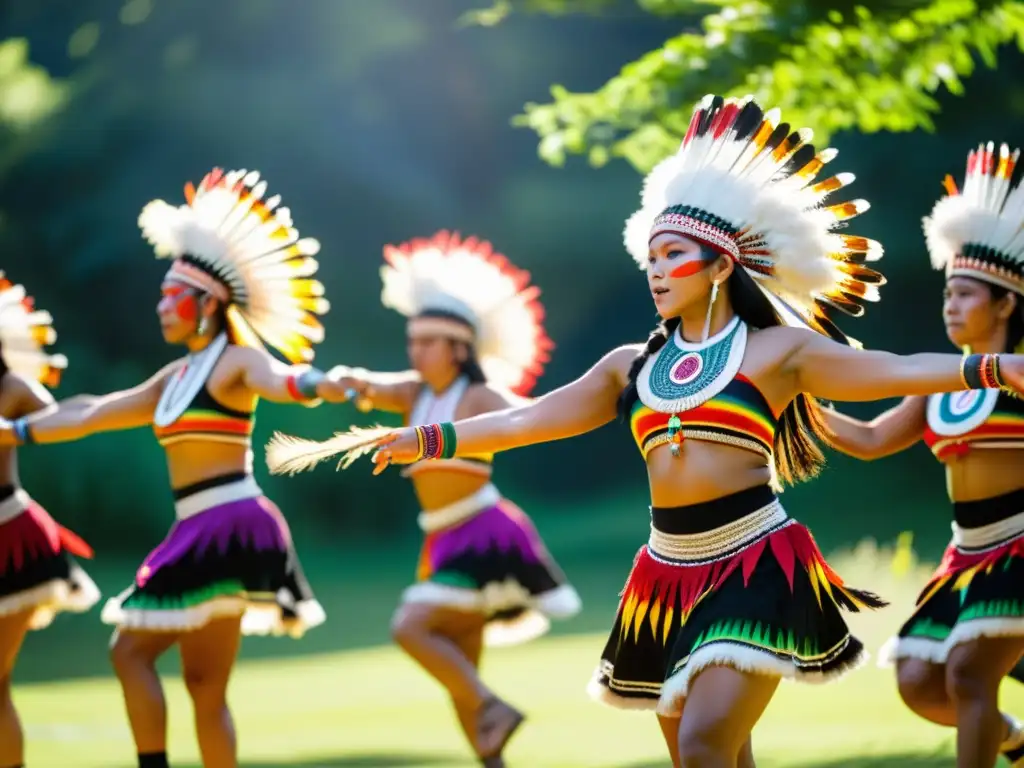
[200,501]
[14,505]
[720,541]
[459,511]
[990,535]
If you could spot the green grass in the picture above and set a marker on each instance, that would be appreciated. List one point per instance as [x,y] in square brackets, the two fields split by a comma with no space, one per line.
[342,697]
[374,708]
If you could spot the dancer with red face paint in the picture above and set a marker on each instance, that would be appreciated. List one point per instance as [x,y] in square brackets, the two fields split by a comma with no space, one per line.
[38,573]
[730,595]
[239,275]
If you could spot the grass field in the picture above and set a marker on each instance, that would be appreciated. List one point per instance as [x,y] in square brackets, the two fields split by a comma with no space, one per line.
[373,708]
[343,697]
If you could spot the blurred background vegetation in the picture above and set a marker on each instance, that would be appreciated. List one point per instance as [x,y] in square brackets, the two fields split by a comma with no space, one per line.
[380,121]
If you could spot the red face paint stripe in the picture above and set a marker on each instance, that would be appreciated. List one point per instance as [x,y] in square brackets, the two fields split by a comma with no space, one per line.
[688,268]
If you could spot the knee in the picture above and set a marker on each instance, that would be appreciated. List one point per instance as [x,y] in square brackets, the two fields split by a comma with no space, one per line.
[406,627]
[207,691]
[968,679]
[125,656]
[920,685]
[700,747]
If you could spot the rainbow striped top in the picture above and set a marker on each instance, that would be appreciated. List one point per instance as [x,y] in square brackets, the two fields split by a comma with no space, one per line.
[207,419]
[960,421]
[739,415]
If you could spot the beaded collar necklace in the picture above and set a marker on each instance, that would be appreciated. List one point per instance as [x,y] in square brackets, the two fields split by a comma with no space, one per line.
[683,375]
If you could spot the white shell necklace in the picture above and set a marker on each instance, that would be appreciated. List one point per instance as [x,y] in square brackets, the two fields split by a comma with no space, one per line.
[184,385]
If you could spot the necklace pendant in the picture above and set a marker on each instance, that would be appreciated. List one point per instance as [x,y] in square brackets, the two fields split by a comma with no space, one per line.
[675,434]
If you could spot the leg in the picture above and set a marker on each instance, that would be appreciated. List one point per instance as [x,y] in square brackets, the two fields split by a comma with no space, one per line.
[670,730]
[207,658]
[134,656]
[722,708]
[922,686]
[470,643]
[12,632]
[974,671]
[425,633]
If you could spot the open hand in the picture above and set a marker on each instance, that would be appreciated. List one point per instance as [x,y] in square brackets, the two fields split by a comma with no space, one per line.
[399,447]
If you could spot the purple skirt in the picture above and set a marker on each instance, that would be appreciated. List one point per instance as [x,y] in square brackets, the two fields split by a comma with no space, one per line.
[232,559]
[495,562]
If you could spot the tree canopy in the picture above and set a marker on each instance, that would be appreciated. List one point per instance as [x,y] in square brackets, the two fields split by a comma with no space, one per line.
[870,66]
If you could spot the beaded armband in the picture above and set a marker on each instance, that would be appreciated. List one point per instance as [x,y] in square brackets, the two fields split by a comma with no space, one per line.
[302,385]
[22,431]
[436,441]
[981,372]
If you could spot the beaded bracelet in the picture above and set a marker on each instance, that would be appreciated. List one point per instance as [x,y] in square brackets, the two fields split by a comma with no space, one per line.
[981,372]
[436,441]
[302,385]
[22,431]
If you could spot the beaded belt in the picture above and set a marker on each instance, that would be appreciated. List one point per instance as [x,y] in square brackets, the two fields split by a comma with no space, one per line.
[460,511]
[718,542]
[201,501]
[14,505]
[989,536]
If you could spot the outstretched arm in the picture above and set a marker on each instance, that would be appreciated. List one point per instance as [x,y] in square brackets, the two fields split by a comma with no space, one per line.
[376,390]
[832,371]
[85,415]
[891,432]
[272,380]
[581,406]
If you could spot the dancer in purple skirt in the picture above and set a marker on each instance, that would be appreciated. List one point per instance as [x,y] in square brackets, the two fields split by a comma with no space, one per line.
[476,343]
[38,573]
[228,567]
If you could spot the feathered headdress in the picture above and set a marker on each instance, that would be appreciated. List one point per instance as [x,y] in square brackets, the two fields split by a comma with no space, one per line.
[465,279]
[24,332]
[229,242]
[744,184]
[980,232]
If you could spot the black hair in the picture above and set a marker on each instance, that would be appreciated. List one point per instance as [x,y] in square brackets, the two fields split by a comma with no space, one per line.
[796,452]
[3,363]
[1015,323]
[470,367]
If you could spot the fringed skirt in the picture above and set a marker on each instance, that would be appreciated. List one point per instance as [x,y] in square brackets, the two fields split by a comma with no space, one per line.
[229,554]
[483,554]
[731,582]
[38,570]
[978,588]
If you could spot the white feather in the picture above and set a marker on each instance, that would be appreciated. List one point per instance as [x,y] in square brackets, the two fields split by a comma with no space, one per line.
[291,455]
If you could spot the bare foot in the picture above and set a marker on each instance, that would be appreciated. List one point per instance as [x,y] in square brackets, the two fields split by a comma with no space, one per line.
[496,722]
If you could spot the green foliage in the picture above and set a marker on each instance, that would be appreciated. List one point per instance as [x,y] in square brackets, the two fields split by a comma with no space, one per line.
[27,92]
[830,68]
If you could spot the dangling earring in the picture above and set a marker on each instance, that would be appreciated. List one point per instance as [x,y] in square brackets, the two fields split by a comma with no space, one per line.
[707,318]
[201,328]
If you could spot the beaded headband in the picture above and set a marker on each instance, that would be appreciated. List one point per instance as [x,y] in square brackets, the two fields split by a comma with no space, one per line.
[743,183]
[979,232]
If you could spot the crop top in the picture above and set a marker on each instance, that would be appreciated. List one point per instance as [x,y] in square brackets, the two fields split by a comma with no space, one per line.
[739,415]
[207,419]
[431,408]
[979,418]
[204,418]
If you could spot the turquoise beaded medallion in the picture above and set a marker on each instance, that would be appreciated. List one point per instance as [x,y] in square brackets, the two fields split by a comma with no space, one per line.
[682,375]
